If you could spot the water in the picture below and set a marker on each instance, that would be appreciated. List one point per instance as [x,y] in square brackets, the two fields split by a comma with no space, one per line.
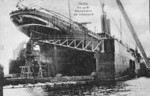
[134,87]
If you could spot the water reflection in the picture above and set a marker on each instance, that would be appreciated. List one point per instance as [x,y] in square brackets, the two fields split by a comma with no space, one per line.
[136,87]
[91,90]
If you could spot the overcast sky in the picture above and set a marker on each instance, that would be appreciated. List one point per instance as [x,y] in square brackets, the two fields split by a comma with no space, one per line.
[138,11]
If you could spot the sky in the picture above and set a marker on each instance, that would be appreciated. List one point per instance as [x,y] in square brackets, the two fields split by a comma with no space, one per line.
[137,10]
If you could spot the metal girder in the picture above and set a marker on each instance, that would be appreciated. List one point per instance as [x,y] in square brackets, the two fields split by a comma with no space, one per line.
[87,44]
[78,44]
[64,42]
[73,42]
[97,46]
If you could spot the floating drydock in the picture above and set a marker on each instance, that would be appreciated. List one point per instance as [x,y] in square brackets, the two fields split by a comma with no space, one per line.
[70,49]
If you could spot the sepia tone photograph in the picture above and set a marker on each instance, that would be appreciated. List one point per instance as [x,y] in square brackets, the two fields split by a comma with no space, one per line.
[74,48]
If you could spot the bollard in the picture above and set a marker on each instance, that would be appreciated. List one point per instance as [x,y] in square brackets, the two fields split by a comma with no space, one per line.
[1,80]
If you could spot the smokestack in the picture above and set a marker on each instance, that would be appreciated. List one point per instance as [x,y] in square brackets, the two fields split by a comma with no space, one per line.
[103,23]
[107,26]
[103,19]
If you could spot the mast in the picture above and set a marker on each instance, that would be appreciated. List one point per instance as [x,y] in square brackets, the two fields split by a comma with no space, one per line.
[105,23]
[133,33]
[69,13]
[120,29]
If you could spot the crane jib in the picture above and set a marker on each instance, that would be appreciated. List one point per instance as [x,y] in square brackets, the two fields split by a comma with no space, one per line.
[133,33]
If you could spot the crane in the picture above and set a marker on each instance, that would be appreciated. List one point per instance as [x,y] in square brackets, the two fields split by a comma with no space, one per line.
[133,33]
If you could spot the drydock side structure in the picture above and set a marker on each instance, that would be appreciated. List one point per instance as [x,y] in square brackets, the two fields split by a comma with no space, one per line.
[69,48]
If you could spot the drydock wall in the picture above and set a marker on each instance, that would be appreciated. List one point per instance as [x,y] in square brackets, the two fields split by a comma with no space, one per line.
[114,62]
[105,62]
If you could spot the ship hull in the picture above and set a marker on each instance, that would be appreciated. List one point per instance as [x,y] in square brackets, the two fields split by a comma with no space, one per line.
[116,62]
[31,20]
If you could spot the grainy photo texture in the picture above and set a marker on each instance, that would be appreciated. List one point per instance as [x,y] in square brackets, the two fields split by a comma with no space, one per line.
[74,48]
